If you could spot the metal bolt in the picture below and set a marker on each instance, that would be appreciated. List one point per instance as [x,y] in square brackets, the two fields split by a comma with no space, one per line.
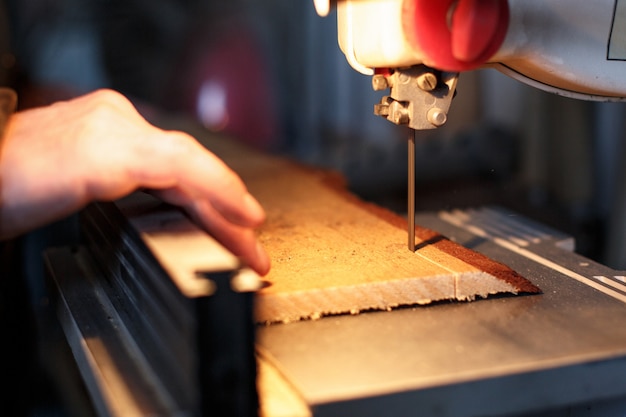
[379,82]
[400,117]
[381,109]
[398,114]
[436,116]
[427,81]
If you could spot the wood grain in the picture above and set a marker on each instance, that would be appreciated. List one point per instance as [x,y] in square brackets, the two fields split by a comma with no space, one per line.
[333,253]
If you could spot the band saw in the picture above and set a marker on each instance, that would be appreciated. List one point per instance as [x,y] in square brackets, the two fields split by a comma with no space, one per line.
[147,346]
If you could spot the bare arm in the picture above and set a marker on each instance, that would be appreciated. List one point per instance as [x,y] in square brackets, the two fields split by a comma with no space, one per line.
[56,159]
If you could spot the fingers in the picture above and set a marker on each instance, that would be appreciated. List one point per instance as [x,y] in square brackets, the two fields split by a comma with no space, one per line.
[135,154]
[223,188]
[213,195]
[190,172]
[58,158]
[239,240]
[181,172]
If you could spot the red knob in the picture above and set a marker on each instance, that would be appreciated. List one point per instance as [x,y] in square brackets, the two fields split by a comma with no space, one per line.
[455,35]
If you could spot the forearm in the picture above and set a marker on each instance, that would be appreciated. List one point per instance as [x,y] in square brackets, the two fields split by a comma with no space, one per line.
[8,104]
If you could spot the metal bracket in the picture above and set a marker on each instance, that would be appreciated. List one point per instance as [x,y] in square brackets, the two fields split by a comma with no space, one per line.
[420,96]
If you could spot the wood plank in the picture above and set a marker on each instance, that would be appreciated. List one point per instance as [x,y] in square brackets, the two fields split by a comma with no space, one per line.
[333,253]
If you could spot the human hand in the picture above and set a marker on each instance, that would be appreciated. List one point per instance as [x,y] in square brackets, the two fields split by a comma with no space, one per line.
[56,159]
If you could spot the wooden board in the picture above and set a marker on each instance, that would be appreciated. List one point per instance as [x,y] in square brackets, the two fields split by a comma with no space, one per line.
[332,253]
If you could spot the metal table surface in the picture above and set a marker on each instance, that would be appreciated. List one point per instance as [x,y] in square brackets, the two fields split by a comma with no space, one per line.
[492,357]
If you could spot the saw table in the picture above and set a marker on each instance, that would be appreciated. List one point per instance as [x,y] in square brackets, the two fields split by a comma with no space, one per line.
[495,357]
[563,349]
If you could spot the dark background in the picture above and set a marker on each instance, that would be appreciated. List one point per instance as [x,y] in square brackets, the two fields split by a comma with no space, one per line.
[269,73]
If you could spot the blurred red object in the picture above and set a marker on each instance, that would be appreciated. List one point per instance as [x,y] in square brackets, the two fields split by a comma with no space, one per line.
[226,84]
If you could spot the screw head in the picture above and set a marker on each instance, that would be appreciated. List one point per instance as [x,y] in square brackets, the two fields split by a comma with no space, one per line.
[436,116]
[379,82]
[427,81]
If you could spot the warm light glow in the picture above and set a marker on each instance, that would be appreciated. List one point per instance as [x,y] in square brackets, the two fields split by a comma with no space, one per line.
[322,7]
[212,105]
